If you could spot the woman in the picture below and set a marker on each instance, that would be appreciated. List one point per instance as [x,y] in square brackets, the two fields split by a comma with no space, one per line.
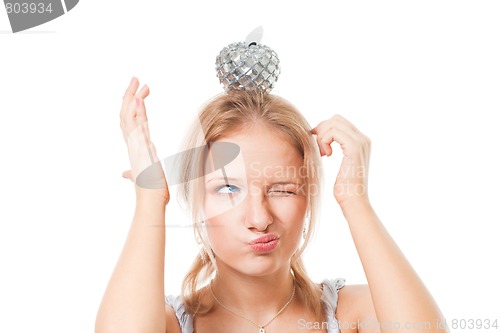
[251,216]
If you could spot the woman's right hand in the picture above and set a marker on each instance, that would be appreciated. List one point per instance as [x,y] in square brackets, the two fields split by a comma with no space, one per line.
[146,171]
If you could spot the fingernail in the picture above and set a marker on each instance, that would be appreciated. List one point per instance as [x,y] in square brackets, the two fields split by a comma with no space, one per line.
[144,87]
[137,102]
[133,78]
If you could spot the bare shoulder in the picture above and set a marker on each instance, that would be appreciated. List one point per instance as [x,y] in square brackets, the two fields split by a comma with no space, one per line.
[172,322]
[355,306]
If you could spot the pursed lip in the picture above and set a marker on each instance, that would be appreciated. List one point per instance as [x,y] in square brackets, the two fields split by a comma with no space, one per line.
[264,239]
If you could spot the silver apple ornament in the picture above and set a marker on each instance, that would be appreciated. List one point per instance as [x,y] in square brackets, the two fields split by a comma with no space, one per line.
[248,65]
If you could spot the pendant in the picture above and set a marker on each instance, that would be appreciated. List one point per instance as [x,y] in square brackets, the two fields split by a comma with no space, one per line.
[261,330]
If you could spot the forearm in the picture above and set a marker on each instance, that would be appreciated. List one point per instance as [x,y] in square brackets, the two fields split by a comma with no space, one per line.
[134,298]
[398,294]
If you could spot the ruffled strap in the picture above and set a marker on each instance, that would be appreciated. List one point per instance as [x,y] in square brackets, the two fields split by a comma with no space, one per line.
[184,318]
[330,298]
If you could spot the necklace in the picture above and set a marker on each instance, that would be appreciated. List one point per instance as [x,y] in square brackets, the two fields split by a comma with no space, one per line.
[261,327]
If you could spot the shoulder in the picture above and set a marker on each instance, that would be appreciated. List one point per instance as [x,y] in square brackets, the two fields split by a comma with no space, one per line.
[171,318]
[175,315]
[355,305]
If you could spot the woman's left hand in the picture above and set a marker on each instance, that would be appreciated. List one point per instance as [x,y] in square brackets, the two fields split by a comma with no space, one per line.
[352,179]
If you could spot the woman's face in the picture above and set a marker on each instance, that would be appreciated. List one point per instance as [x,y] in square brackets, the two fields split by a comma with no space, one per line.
[255,207]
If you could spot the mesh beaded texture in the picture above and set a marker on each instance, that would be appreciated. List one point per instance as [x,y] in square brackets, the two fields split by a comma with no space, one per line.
[251,67]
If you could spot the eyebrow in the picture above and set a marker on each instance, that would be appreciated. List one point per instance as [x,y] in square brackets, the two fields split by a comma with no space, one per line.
[232,179]
[225,179]
[284,183]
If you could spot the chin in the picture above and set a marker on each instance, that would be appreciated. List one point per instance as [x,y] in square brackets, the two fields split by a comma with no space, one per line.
[255,264]
[262,265]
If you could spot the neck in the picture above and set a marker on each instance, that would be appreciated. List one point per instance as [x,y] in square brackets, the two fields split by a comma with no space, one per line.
[258,298]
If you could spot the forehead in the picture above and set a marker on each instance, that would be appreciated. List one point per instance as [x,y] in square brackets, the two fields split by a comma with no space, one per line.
[262,149]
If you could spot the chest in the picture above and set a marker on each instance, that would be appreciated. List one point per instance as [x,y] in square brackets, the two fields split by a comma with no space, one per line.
[291,323]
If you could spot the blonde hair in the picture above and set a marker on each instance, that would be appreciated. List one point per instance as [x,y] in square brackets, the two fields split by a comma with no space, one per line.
[223,114]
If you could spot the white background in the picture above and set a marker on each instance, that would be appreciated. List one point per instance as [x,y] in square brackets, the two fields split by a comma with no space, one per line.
[421,79]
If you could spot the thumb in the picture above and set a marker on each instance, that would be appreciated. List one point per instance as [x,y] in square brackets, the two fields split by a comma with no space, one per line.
[128,175]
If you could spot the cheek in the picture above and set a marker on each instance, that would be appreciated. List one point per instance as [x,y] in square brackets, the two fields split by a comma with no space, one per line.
[222,232]
[291,213]
[290,208]
[220,205]
[213,209]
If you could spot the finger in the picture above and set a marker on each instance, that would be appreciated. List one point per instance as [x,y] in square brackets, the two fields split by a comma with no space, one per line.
[320,127]
[129,118]
[320,130]
[143,93]
[328,124]
[142,120]
[324,126]
[131,90]
[140,111]
[342,137]
[344,127]
[355,136]
[322,151]
[136,107]
[129,94]
[342,120]
[324,144]
[334,124]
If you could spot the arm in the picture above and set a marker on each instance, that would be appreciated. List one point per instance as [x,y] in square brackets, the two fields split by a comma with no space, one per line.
[134,298]
[397,293]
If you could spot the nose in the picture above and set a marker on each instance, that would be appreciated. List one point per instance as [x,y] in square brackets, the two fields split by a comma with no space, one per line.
[258,214]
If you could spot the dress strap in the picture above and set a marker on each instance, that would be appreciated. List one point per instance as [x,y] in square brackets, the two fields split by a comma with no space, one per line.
[184,318]
[330,299]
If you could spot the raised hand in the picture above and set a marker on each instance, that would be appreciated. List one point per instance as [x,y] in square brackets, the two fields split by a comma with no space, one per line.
[144,161]
[352,179]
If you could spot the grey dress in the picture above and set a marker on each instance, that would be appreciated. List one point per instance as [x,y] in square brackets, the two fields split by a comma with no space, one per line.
[329,298]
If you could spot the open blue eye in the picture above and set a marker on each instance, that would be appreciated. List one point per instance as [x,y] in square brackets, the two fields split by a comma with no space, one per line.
[227,189]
